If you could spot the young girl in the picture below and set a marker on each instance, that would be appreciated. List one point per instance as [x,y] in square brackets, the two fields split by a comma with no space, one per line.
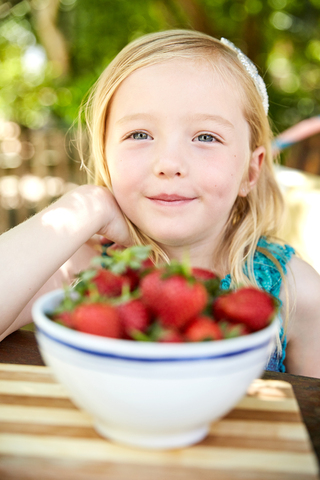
[181,158]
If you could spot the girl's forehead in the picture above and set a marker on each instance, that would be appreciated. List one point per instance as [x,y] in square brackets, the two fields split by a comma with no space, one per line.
[182,76]
[196,66]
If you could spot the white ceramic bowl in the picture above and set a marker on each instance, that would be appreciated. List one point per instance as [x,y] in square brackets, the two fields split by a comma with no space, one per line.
[150,395]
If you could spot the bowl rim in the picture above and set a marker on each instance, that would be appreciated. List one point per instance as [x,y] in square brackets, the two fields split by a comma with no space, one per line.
[152,352]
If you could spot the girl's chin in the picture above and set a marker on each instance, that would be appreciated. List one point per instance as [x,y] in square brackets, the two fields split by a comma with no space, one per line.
[173,241]
[180,237]
[165,239]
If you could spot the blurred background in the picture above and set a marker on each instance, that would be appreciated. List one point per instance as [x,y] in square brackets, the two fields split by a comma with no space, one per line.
[52,51]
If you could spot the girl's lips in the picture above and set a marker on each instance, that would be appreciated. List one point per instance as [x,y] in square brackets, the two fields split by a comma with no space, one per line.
[165,199]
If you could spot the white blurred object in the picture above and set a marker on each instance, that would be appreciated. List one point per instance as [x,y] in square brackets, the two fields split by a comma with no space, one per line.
[302,226]
[32,188]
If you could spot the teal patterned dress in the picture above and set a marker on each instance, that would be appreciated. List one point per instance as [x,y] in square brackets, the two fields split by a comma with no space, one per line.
[269,279]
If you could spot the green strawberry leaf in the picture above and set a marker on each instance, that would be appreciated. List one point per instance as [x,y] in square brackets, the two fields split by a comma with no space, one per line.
[179,268]
[83,281]
[213,287]
[87,275]
[69,301]
[126,295]
[140,336]
[155,331]
[153,334]
[119,260]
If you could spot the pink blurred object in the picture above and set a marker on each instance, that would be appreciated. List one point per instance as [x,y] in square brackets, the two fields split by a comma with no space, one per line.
[300,131]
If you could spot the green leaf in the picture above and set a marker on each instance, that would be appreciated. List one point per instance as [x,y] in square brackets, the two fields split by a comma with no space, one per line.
[119,260]
[87,275]
[140,336]
[155,331]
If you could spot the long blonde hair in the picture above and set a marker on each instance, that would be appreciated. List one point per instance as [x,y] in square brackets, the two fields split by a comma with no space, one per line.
[257,214]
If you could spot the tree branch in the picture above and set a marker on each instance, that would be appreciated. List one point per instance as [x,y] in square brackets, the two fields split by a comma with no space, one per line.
[50,36]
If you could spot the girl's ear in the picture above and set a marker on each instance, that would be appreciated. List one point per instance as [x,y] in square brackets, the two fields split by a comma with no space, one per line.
[255,165]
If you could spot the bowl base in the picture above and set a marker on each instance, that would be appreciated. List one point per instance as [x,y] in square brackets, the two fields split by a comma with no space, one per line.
[152,441]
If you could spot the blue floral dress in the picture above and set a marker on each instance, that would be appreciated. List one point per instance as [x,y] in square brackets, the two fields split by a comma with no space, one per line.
[269,279]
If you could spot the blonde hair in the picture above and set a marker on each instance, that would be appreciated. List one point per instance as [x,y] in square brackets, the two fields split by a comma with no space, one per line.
[257,214]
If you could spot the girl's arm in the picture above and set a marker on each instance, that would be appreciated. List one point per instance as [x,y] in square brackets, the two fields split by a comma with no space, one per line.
[47,249]
[303,334]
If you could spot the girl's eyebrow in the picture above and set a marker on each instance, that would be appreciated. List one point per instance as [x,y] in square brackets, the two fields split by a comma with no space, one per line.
[213,118]
[197,116]
[134,116]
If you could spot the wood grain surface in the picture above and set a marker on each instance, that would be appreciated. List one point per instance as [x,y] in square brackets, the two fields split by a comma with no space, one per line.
[44,436]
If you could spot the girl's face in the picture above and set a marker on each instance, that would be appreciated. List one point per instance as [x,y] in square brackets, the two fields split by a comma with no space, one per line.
[178,152]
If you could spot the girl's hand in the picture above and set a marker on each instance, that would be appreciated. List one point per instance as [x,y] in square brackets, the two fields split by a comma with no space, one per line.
[115,227]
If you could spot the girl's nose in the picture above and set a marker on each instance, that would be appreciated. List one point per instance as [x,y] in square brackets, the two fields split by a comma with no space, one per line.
[170,163]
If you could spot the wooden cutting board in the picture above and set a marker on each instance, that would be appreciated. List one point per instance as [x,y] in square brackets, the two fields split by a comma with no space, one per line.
[43,436]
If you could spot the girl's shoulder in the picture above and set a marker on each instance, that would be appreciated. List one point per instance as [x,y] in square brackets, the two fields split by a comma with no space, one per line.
[304,283]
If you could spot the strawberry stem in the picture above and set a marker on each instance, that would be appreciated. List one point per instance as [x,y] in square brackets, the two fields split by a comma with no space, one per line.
[119,260]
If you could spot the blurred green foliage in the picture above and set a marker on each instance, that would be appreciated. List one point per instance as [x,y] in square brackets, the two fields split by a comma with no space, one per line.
[36,90]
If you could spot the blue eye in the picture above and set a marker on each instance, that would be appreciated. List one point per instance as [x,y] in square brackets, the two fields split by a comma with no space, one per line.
[139,136]
[205,137]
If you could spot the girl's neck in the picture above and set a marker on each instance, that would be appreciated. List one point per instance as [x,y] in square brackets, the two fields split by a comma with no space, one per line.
[198,256]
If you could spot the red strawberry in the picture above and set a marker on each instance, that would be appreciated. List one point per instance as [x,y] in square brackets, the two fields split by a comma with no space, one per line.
[249,305]
[134,276]
[66,318]
[133,316]
[171,336]
[203,274]
[108,283]
[150,289]
[147,264]
[203,328]
[97,319]
[173,299]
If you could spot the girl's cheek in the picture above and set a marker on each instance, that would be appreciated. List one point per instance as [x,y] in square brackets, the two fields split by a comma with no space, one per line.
[123,189]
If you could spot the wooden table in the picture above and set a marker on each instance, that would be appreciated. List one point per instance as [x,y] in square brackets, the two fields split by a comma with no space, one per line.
[21,348]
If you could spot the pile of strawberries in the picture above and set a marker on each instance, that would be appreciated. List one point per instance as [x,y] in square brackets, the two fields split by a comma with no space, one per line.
[127,297]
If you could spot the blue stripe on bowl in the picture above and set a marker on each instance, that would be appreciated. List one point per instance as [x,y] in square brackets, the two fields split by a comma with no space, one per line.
[155,360]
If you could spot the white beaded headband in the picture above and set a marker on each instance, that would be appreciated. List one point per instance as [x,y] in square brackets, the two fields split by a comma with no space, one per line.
[253,72]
